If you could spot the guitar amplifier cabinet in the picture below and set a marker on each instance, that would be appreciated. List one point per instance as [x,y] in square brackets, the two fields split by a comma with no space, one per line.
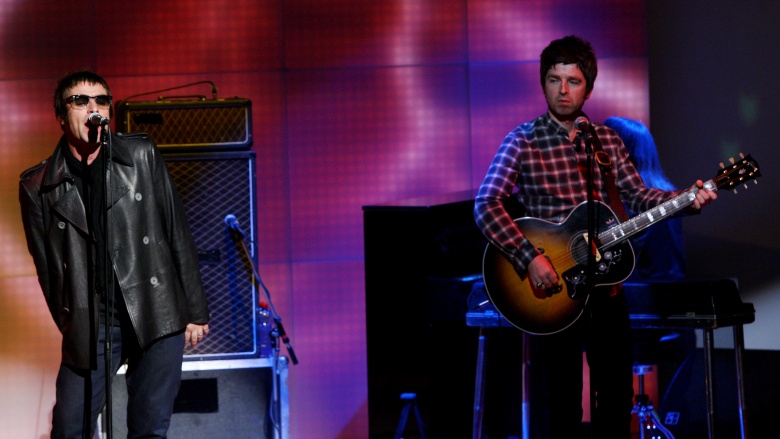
[212,186]
[190,125]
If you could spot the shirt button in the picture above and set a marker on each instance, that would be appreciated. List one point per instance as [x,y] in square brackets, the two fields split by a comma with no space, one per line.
[154,280]
[138,197]
[146,240]
[61,225]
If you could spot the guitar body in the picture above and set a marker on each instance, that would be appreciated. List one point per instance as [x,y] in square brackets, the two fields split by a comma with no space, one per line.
[546,311]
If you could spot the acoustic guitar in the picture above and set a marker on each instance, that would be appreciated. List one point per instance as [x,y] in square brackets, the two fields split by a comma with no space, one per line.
[547,311]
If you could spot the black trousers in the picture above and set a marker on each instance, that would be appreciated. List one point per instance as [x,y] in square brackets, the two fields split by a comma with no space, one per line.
[153,378]
[604,333]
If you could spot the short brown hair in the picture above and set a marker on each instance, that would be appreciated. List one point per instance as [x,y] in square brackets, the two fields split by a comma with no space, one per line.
[570,50]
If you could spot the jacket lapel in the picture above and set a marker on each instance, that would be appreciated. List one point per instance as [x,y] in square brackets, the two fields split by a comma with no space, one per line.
[63,196]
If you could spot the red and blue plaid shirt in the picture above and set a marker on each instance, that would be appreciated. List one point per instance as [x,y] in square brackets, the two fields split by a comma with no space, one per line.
[538,164]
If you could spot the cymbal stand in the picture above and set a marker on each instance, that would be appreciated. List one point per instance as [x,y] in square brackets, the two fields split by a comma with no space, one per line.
[649,421]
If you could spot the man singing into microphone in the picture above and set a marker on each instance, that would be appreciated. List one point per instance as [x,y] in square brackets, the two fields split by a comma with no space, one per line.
[116,263]
[540,164]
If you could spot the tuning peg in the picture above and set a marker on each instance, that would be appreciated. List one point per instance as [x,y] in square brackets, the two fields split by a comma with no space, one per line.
[741,155]
[731,159]
[746,186]
[722,165]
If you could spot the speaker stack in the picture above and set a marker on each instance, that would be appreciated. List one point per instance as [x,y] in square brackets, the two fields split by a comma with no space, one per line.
[206,144]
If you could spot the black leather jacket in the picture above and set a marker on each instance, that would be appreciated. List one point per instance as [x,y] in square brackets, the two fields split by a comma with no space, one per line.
[152,251]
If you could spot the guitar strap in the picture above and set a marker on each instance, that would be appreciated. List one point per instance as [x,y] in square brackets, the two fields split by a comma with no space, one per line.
[605,164]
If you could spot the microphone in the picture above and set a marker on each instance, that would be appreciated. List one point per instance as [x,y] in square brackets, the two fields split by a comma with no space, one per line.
[232,224]
[97,120]
[582,124]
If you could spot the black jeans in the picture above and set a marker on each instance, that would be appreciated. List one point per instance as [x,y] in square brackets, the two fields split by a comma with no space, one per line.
[153,378]
[604,333]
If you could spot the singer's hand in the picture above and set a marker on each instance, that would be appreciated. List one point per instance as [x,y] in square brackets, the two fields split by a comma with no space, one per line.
[194,334]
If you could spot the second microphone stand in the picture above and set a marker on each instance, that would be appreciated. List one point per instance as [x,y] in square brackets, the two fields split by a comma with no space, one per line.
[277,330]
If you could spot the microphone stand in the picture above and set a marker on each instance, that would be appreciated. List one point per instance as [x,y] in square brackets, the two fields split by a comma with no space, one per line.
[277,332]
[108,276]
[591,209]
[587,136]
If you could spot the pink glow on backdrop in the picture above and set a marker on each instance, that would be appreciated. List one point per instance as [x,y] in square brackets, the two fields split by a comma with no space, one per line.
[508,30]
[373,142]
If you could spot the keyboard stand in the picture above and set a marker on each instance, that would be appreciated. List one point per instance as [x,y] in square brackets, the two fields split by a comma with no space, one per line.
[492,319]
[739,314]
[705,305]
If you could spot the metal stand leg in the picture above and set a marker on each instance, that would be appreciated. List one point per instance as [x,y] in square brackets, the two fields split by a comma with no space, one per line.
[479,390]
[709,364]
[709,381]
[739,348]
[649,421]
[411,404]
[479,387]
[526,386]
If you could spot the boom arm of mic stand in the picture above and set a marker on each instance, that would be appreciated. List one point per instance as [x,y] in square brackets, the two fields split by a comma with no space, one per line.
[239,238]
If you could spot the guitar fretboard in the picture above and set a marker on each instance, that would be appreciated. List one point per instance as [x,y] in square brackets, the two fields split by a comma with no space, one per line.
[625,230]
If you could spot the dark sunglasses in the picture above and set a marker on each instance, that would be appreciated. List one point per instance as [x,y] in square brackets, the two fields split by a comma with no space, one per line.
[82,101]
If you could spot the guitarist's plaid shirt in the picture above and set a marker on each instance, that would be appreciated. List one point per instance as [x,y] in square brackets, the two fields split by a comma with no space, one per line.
[538,164]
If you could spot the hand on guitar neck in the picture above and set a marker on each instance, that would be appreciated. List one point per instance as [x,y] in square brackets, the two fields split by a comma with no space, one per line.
[703,196]
[542,274]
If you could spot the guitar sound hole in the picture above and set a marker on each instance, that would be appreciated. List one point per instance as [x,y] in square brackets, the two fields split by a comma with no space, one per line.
[579,251]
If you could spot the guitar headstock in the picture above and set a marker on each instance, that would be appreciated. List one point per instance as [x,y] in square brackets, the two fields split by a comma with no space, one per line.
[738,172]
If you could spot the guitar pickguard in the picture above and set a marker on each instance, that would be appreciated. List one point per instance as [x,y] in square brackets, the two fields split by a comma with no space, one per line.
[611,266]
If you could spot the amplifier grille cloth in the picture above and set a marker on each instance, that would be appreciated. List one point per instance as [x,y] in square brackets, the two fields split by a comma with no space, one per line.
[191,126]
[211,188]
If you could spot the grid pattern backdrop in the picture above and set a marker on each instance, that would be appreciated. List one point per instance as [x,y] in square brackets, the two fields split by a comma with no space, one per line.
[359,103]
[354,103]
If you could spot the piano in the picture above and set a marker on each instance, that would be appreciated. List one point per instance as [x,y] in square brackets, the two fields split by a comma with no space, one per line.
[421,257]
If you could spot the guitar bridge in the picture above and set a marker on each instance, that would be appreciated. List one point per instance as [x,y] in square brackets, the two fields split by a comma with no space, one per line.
[554,290]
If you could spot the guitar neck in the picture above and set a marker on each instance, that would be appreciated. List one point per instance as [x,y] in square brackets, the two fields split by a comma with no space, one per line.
[627,229]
